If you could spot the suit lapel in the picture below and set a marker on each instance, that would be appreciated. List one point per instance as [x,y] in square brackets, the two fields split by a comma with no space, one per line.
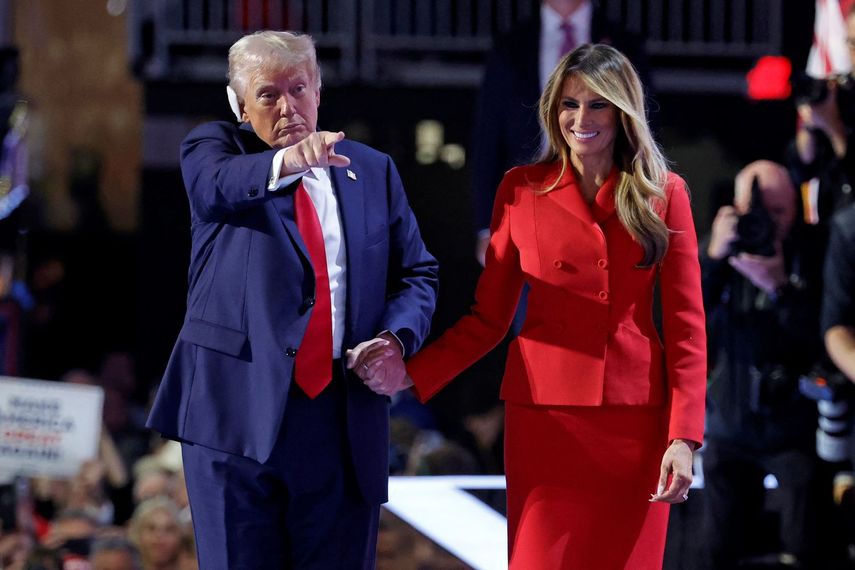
[351,199]
[283,208]
[568,196]
[604,203]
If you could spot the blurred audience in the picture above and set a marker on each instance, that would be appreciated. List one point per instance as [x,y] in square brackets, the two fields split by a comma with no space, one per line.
[187,552]
[155,529]
[15,549]
[40,559]
[114,553]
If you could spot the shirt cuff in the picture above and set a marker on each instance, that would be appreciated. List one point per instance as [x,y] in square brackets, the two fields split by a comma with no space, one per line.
[485,233]
[403,350]
[275,183]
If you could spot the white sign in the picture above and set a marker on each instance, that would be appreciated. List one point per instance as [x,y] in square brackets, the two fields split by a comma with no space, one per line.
[47,428]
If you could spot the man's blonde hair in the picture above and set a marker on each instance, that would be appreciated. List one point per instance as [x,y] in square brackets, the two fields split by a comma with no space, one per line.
[269,50]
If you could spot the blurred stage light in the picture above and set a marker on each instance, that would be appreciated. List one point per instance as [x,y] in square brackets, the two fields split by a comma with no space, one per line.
[769,79]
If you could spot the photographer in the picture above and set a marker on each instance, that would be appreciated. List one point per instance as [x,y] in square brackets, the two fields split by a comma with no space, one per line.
[838,307]
[823,154]
[763,334]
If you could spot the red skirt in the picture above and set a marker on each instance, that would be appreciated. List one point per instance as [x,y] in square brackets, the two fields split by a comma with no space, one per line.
[579,483]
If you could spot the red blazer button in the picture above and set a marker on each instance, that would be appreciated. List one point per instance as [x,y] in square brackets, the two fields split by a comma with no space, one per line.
[603,295]
[558,264]
[602,264]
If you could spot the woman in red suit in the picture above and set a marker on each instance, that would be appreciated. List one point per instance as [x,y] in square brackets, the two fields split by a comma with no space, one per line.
[601,417]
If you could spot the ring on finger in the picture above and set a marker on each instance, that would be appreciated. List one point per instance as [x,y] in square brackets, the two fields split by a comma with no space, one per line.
[686,497]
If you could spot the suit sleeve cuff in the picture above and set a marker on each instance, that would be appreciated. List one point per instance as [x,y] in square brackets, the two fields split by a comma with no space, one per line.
[275,183]
[400,342]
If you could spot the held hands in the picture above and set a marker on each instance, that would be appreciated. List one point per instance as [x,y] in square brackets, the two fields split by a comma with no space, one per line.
[380,364]
[676,465]
[317,149]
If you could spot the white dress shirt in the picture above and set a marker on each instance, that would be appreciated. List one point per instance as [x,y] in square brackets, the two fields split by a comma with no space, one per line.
[318,185]
[551,35]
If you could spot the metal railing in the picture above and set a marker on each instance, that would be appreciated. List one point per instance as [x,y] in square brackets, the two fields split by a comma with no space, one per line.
[190,38]
[431,42]
[706,28]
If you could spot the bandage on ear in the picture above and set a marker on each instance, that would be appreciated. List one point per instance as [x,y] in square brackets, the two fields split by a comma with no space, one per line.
[233,102]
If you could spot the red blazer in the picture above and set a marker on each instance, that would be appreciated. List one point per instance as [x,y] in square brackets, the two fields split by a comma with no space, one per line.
[588,338]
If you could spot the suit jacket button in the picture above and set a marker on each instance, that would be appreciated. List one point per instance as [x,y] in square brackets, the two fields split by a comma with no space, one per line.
[307,304]
[253,192]
[558,264]
[602,264]
[603,295]
[292,352]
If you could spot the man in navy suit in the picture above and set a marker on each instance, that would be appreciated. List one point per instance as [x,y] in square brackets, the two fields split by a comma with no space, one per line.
[303,244]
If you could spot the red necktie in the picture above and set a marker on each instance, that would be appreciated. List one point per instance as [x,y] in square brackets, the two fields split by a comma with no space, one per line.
[569,41]
[314,358]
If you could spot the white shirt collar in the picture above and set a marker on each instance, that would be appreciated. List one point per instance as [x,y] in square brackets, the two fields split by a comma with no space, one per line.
[580,19]
[549,18]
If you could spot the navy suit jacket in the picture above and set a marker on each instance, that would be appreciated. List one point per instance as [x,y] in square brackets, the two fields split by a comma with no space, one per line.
[507,132]
[250,286]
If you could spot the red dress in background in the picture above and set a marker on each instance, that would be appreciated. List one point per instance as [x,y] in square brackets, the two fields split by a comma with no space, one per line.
[593,396]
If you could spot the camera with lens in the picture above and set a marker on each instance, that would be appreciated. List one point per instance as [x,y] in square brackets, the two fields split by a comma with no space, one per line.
[755,229]
[809,90]
[832,392]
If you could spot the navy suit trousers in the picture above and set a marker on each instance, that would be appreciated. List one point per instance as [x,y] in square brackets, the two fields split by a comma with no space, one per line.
[301,509]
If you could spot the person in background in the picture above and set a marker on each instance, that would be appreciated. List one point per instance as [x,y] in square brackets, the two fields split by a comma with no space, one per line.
[838,306]
[601,417]
[187,553]
[114,553]
[71,533]
[507,132]
[762,304]
[822,157]
[156,532]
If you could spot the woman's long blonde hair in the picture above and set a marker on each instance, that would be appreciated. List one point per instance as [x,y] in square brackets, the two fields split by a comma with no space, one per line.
[643,168]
